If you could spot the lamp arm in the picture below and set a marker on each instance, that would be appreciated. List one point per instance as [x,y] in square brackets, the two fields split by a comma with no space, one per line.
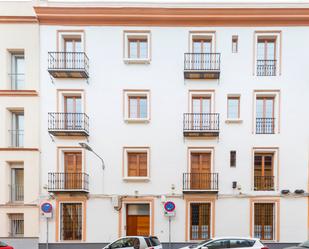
[103,164]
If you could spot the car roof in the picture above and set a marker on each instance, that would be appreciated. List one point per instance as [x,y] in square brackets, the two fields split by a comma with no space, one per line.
[234,237]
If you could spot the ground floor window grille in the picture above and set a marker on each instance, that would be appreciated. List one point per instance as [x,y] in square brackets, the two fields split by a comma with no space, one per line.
[264,221]
[200,221]
[16,225]
[71,221]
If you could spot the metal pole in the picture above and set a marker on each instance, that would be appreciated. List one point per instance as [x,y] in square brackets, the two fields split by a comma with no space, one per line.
[46,233]
[169,233]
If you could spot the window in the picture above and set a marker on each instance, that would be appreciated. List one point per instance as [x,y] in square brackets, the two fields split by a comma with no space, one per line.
[16,225]
[219,244]
[265,119]
[17,74]
[264,221]
[125,243]
[263,171]
[137,105]
[17,129]
[232,158]
[200,221]
[234,44]
[17,182]
[266,56]
[71,221]
[137,164]
[233,108]
[137,47]
[73,116]
[238,243]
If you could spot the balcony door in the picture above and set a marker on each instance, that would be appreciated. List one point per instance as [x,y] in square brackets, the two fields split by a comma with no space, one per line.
[263,171]
[201,109]
[17,71]
[200,171]
[73,112]
[202,48]
[17,184]
[17,131]
[73,48]
[266,57]
[73,170]
[265,115]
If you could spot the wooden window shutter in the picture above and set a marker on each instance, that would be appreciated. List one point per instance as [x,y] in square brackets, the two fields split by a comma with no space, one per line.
[232,158]
[137,164]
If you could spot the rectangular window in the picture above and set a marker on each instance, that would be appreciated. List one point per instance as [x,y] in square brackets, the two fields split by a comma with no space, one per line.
[17,74]
[17,183]
[71,219]
[200,221]
[233,108]
[17,129]
[16,225]
[137,47]
[266,56]
[265,119]
[138,107]
[234,44]
[137,164]
[264,215]
[263,171]
[232,158]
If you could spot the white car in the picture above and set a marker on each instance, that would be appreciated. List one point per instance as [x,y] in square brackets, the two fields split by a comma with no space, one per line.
[228,242]
[135,242]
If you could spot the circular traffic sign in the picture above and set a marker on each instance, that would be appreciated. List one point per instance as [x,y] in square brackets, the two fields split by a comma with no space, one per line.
[46,207]
[169,206]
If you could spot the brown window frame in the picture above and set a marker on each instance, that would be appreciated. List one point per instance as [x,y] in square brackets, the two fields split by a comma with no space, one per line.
[138,155]
[265,183]
[265,40]
[238,105]
[202,40]
[138,106]
[263,216]
[138,41]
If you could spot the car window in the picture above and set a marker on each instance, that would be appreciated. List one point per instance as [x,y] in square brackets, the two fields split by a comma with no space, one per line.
[238,243]
[2,244]
[218,244]
[155,241]
[126,242]
[148,242]
[305,244]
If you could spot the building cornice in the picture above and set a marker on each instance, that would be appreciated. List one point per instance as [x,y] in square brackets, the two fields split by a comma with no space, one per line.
[18,93]
[18,19]
[145,16]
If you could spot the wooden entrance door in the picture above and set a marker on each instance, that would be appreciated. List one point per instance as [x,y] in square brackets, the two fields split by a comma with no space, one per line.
[73,170]
[138,220]
[200,171]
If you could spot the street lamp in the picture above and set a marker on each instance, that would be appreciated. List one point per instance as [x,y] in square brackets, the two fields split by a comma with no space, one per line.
[87,147]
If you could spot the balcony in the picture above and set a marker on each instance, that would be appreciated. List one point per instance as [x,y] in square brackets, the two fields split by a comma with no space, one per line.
[68,182]
[201,124]
[68,124]
[266,67]
[16,138]
[264,183]
[68,64]
[200,182]
[16,193]
[265,126]
[202,66]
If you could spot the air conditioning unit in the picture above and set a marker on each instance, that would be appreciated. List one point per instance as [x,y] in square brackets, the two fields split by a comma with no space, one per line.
[116,201]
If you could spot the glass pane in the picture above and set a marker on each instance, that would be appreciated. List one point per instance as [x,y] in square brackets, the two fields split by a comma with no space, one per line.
[259,108]
[197,47]
[269,104]
[78,105]
[133,49]
[143,107]
[69,105]
[78,46]
[233,108]
[143,49]
[261,50]
[196,106]
[205,105]
[133,107]
[270,50]
[69,46]
[207,46]
[138,209]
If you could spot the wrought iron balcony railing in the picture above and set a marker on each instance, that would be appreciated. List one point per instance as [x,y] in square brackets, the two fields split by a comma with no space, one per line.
[266,67]
[264,183]
[68,64]
[68,182]
[265,126]
[68,123]
[200,181]
[201,122]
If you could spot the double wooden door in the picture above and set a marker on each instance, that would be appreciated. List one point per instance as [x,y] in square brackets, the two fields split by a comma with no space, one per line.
[200,171]
[73,170]
[138,220]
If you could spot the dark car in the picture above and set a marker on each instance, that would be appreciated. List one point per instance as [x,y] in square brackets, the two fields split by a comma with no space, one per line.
[300,246]
[5,246]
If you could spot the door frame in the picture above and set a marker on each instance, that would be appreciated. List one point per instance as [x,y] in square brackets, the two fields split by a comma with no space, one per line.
[210,150]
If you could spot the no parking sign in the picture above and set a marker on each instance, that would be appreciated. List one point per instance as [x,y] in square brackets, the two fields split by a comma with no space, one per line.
[169,208]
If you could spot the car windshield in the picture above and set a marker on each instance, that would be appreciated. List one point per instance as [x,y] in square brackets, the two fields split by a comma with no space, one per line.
[2,244]
[305,244]
[199,244]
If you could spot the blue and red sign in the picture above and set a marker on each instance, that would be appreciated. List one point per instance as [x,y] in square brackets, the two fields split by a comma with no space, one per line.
[169,206]
[46,207]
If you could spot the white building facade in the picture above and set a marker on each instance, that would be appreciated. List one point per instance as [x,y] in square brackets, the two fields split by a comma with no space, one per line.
[199,105]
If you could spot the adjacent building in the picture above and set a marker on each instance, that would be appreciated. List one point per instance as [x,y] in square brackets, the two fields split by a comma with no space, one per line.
[19,125]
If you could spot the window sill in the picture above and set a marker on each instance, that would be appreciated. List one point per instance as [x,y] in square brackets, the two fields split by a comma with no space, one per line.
[233,121]
[138,120]
[136,61]
[136,179]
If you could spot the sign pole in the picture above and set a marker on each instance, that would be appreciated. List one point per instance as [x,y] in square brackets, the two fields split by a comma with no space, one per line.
[169,233]
[47,232]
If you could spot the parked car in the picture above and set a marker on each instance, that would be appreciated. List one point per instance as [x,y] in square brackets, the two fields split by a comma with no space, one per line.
[228,242]
[135,242]
[300,246]
[5,246]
